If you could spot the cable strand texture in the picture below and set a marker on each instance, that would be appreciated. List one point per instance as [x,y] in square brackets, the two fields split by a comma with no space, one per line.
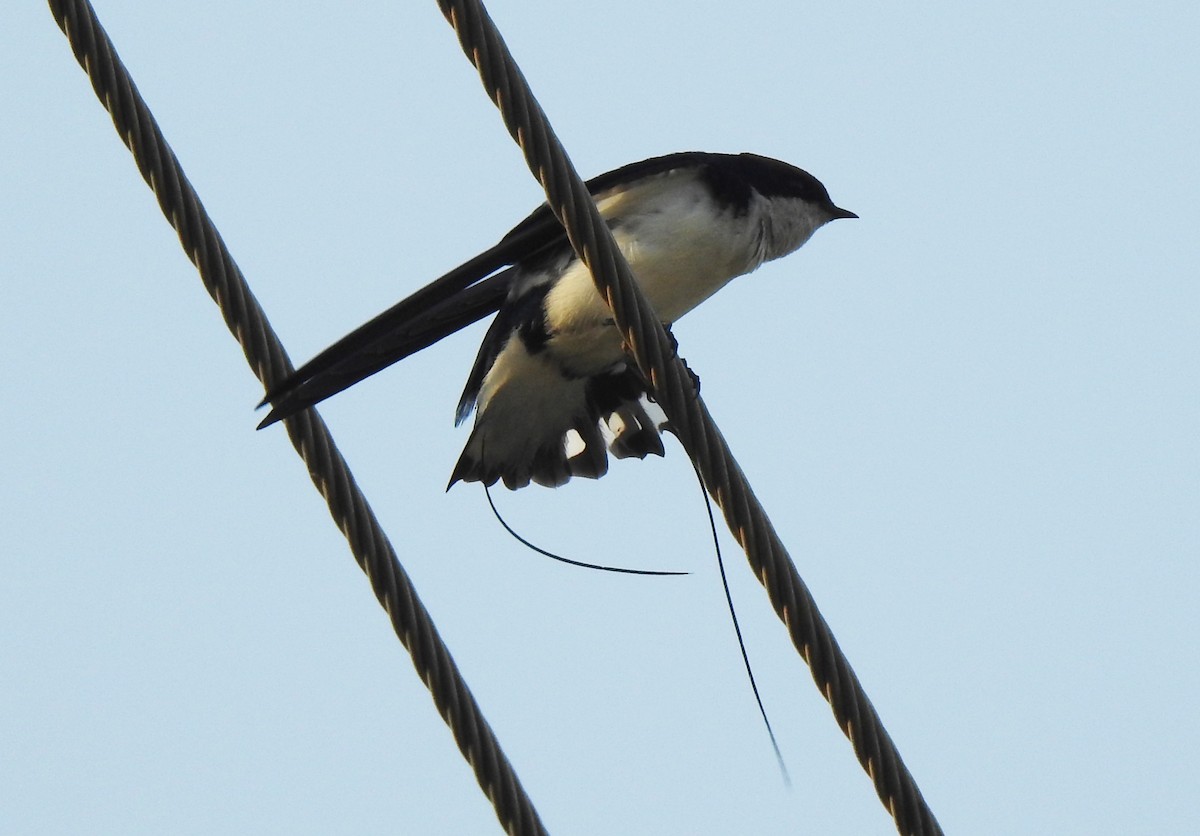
[245,319]
[647,342]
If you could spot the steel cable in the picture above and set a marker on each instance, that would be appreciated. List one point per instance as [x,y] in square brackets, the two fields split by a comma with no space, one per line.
[308,433]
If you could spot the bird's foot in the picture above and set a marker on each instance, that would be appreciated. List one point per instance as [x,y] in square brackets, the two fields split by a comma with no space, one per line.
[695,377]
[675,350]
[671,337]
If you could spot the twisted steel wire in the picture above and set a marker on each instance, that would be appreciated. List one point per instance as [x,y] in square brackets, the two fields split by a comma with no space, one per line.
[307,432]
[647,342]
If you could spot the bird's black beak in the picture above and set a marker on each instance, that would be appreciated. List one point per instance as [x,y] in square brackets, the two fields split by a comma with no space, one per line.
[842,213]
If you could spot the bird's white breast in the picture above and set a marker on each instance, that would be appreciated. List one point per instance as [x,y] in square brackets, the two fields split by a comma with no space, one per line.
[682,245]
[682,248]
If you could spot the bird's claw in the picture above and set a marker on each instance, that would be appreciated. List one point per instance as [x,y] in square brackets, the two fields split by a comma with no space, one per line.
[675,350]
[671,337]
[695,378]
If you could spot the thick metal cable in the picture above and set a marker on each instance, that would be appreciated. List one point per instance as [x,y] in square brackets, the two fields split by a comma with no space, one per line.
[648,344]
[308,433]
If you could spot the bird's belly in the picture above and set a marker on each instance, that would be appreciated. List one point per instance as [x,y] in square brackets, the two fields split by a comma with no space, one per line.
[675,273]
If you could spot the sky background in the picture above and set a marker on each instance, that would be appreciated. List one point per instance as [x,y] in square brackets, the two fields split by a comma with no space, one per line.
[973,415]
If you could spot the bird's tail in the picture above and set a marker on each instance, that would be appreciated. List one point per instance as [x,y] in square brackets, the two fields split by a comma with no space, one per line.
[555,429]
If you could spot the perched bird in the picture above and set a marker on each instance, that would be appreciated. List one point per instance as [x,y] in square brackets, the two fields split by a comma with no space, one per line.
[551,386]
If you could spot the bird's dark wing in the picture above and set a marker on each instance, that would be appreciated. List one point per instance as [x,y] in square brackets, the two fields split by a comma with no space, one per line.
[524,312]
[464,295]
[357,357]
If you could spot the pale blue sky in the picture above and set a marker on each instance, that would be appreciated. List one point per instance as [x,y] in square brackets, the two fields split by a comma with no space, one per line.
[974,416]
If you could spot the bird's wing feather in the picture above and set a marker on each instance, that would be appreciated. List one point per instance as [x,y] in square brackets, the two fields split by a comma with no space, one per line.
[528,236]
[525,310]
[358,356]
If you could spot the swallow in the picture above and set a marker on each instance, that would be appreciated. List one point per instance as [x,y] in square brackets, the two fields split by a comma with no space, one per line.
[552,388]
